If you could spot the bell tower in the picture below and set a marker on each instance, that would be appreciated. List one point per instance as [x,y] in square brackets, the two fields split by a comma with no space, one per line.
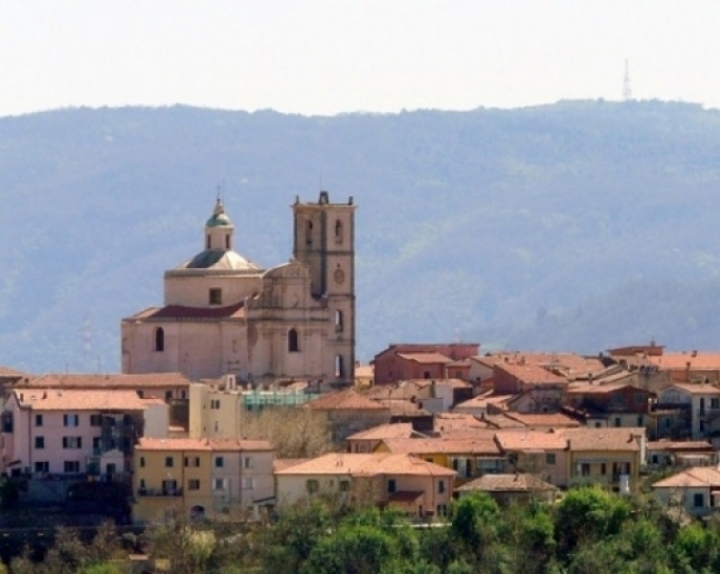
[324,239]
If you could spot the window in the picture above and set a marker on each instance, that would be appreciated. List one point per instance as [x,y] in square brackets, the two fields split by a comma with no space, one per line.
[639,398]
[550,458]
[71,466]
[344,485]
[159,339]
[39,442]
[442,510]
[97,441]
[698,500]
[311,486]
[392,485]
[169,462]
[95,420]
[618,422]
[193,484]
[38,420]
[72,442]
[339,367]
[71,420]
[441,486]
[714,403]
[308,233]
[247,462]
[215,296]
[293,345]
[640,421]
[208,241]
[338,320]
[214,404]
[227,241]
[248,483]
[603,468]
[585,469]
[42,467]
[219,462]
[220,484]
[338,231]
[192,461]
[142,461]
[426,375]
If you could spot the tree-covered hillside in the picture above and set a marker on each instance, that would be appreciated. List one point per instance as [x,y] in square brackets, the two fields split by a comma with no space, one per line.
[575,226]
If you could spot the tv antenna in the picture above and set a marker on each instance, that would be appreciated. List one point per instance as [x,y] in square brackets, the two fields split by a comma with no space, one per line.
[627,91]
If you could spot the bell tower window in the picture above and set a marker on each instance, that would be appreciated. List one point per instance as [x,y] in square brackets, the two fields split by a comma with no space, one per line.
[338,320]
[208,242]
[215,297]
[227,241]
[339,367]
[293,344]
[159,339]
[338,232]
[308,233]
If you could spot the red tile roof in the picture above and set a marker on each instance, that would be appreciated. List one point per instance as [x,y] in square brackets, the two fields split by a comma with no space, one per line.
[602,439]
[202,444]
[507,483]
[514,440]
[426,358]
[696,388]
[394,430]
[366,465]
[449,445]
[697,477]
[105,381]
[78,400]
[181,312]
[682,361]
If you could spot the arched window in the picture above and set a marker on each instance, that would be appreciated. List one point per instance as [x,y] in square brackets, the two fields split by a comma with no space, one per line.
[159,339]
[338,320]
[339,367]
[338,231]
[227,241]
[208,242]
[308,233]
[293,346]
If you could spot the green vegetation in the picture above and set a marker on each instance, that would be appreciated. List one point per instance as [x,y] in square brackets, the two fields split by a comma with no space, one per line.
[588,531]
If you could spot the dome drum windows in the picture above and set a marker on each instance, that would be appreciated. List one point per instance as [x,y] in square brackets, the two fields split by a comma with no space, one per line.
[215,296]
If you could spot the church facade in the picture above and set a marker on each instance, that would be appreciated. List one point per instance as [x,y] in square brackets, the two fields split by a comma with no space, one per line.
[222,314]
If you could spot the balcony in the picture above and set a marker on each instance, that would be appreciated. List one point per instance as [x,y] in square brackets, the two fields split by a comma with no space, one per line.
[159,492]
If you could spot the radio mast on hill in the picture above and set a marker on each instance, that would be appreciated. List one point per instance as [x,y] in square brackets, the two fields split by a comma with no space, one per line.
[627,91]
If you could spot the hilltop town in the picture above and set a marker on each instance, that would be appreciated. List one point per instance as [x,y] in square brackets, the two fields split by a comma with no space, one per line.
[240,397]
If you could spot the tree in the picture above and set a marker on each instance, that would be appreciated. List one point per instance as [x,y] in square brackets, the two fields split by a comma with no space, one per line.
[293,432]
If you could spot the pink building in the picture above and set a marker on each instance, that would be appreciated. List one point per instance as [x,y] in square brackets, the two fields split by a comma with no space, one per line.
[53,431]
[424,361]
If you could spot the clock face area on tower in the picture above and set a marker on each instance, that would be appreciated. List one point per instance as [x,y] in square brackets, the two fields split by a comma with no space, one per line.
[339,276]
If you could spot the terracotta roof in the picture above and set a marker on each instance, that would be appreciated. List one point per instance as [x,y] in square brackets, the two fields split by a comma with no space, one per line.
[550,420]
[283,463]
[105,381]
[507,483]
[568,365]
[202,444]
[680,361]
[695,388]
[401,390]
[501,421]
[395,430]
[404,408]
[426,358]
[78,400]
[449,421]
[531,374]
[352,464]
[602,439]
[514,440]
[445,445]
[684,445]
[482,401]
[697,477]
[598,389]
[349,399]
[181,312]
[8,372]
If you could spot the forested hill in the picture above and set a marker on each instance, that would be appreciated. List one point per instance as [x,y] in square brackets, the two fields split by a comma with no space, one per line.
[574,226]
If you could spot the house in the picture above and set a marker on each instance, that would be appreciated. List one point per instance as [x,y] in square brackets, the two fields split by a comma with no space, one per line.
[613,404]
[469,457]
[366,441]
[349,412]
[542,453]
[664,454]
[507,489]
[435,395]
[76,432]
[607,456]
[515,378]
[423,361]
[216,478]
[695,490]
[364,376]
[454,423]
[402,411]
[409,484]
[702,400]
[482,404]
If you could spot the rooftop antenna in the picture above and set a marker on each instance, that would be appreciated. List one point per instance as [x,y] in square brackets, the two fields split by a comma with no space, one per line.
[627,91]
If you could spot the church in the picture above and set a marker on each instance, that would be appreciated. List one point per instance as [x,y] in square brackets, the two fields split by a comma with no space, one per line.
[224,315]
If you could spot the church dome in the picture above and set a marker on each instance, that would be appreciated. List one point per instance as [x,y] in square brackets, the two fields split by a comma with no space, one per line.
[219,218]
[220,260]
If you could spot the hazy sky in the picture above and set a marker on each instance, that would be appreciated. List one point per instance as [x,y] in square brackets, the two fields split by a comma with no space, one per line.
[331,56]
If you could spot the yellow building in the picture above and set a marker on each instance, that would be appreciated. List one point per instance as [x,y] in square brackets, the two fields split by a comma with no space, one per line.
[200,477]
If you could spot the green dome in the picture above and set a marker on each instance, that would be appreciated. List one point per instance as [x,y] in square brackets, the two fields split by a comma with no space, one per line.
[218,218]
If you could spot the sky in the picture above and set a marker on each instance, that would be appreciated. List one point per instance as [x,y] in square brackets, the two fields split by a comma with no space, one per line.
[325,57]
